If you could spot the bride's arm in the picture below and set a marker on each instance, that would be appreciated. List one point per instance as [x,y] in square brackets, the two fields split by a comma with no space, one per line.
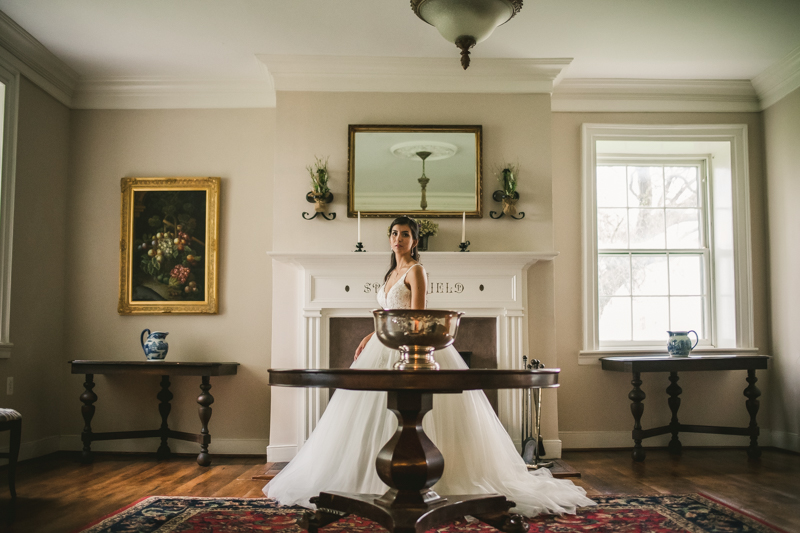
[362,344]
[418,283]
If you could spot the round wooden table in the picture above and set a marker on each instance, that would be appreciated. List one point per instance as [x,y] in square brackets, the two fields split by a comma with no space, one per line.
[410,463]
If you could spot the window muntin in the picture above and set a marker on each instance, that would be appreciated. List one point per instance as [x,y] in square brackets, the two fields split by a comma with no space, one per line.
[653,251]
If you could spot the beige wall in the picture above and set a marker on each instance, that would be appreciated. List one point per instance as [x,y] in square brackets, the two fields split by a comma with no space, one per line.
[782,140]
[593,404]
[73,299]
[108,145]
[37,361]
[516,128]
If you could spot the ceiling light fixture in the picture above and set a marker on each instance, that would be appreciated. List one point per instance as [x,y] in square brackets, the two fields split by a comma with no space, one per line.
[465,23]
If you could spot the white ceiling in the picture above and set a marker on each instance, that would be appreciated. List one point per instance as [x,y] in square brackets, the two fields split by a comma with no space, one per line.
[220,39]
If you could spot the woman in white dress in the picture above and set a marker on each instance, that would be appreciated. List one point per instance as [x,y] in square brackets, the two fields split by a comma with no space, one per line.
[479,455]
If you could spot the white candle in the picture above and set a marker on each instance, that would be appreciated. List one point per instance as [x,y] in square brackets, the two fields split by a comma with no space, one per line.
[359,226]
[464,227]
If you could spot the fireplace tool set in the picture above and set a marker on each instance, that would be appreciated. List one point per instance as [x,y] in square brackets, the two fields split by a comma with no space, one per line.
[532,443]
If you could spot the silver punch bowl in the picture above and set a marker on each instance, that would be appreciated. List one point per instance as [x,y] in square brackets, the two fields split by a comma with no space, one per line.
[416,333]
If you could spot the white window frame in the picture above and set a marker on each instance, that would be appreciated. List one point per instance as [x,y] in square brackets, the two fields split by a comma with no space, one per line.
[10,77]
[736,136]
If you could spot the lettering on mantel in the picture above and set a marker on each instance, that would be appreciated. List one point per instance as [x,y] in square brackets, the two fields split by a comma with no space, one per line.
[441,287]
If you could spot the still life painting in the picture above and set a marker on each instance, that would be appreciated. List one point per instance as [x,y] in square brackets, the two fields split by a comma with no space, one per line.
[168,247]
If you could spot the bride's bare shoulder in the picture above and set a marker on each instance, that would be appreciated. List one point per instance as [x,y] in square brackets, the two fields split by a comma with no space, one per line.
[417,273]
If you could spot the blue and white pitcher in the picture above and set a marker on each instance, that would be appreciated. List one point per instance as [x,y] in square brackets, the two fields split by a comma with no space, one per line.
[680,344]
[155,347]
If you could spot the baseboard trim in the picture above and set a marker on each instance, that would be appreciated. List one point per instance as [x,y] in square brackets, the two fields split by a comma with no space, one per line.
[786,441]
[587,440]
[217,446]
[281,453]
[34,448]
[552,449]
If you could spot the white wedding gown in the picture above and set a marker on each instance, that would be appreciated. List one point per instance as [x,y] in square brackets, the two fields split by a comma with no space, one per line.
[478,453]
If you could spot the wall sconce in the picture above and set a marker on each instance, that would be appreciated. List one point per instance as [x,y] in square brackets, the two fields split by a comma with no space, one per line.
[320,194]
[319,201]
[509,205]
[508,195]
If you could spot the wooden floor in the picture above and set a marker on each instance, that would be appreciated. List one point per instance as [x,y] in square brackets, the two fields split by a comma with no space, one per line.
[57,494]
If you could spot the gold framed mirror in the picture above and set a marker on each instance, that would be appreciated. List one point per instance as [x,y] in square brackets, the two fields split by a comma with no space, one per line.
[421,171]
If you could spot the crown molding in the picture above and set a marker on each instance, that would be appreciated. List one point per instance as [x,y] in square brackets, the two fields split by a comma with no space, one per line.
[778,79]
[634,95]
[30,57]
[415,75]
[172,93]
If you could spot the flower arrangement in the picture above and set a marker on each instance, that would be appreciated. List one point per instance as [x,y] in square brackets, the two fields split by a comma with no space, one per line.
[319,176]
[507,176]
[427,228]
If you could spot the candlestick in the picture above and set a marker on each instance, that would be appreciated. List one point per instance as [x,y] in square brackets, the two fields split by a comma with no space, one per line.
[359,226]
[463,227]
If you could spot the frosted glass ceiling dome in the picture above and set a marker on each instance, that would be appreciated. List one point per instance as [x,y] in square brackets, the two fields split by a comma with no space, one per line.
[466,22]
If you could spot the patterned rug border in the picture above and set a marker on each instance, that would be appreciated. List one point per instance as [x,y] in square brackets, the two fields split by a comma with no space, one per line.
[607,500]
[141,501]
[740,511]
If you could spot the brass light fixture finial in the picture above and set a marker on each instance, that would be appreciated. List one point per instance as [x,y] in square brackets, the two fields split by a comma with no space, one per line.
[423,180]
[465,23]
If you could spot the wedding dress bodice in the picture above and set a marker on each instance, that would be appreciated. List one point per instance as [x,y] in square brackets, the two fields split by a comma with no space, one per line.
[399,296]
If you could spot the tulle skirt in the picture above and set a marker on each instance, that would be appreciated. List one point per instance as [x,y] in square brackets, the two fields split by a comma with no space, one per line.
[479,455]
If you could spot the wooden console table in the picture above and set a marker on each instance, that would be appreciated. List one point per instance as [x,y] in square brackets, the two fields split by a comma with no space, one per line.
[410,463]
[165,370]
[673,365]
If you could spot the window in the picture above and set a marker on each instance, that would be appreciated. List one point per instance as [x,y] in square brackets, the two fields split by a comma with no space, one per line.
[666,238]
[653,254]
[9,81]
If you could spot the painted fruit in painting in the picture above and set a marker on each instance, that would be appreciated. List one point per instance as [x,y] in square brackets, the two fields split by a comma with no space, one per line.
[169,246]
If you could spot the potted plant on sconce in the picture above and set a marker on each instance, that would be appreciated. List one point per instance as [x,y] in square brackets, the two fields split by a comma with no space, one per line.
[320,195]
[426,229]
[508,195]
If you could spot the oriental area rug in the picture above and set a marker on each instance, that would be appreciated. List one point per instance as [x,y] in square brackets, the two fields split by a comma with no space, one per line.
[692,513]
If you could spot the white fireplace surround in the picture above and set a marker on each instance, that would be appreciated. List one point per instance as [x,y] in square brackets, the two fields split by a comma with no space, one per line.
[310,288]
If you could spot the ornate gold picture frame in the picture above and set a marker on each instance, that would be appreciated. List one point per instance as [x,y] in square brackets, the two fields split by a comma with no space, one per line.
[168,246]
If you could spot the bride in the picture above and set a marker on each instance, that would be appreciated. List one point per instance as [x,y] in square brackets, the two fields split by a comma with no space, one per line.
[480,457]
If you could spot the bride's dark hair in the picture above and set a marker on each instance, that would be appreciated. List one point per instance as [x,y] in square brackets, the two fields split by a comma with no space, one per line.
[412,224]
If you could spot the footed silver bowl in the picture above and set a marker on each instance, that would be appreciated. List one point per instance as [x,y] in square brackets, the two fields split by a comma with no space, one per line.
[416,333]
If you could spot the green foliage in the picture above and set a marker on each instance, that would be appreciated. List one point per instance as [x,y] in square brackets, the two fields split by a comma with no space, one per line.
[319,176]
[507,176]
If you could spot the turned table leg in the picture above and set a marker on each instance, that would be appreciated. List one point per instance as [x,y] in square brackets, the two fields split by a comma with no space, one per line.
[88,397]
[636,396]
[409,463]
[674,402]
[164,396]
[752,393]
[205,400]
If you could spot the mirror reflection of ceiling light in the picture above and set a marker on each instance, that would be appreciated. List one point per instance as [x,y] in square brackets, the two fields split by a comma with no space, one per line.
[465,23]
[424,151]
[437,149]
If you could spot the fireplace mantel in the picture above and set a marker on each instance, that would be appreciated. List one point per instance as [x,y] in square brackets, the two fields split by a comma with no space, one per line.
[309,288]
[487,278]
